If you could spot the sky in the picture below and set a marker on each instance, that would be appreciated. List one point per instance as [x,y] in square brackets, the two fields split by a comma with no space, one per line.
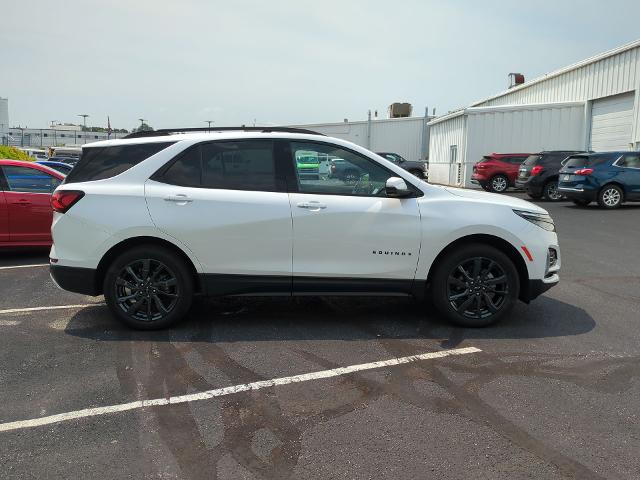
[279,62]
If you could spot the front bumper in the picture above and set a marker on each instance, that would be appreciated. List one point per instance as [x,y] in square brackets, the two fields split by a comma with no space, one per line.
[75,279]
[538,287]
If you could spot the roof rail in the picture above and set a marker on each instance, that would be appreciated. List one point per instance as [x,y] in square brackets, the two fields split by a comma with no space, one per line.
[170,131]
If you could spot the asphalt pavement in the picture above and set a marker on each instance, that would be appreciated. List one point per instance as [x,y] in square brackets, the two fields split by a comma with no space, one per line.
[551,392]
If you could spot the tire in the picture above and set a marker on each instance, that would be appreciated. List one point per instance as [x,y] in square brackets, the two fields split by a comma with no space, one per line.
[537,196]
[417,173]
[449,281]
[550,191]
[610,197]
[581,203]
[498,184]
[167,279]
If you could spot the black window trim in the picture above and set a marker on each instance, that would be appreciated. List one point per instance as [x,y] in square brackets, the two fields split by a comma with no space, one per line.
[292,178]
[280,178]
[4,183]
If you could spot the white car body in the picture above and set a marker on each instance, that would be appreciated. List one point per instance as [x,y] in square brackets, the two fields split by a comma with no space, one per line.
[302,237]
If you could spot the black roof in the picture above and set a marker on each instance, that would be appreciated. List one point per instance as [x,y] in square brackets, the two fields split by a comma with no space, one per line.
[171,131]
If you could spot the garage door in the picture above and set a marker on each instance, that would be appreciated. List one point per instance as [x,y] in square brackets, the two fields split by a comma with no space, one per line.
[611,120]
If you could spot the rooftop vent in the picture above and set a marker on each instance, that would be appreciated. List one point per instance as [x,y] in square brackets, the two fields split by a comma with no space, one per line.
[515,79]
[400,110]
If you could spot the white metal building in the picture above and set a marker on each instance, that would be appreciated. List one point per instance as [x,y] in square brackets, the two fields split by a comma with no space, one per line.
[408,137]
[591,105]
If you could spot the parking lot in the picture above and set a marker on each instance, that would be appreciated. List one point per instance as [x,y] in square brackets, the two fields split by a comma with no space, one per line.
[550,393]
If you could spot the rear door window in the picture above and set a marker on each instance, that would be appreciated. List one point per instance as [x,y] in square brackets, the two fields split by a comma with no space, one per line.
[231,165]
[99,163]
[630,161]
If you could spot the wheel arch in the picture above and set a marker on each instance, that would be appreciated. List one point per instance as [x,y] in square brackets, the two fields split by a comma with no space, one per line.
[122,246]
[499,243]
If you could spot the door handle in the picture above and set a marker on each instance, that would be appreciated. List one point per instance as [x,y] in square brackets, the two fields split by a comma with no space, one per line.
[179,198]
[22,202]
[312,205]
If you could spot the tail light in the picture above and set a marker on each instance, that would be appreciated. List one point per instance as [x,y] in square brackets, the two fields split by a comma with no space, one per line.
[537,170]
[63,200]
[584,171]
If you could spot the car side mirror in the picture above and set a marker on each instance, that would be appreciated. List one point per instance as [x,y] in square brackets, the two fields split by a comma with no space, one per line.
[395,187]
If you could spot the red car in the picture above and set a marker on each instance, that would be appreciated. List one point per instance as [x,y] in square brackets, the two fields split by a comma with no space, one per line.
[498,171]
[25,209]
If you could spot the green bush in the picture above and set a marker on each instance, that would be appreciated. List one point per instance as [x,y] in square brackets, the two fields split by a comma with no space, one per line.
[13,153]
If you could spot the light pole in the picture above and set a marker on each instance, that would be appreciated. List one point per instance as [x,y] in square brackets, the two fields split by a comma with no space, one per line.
[209,122]
[84,117]
[142,120]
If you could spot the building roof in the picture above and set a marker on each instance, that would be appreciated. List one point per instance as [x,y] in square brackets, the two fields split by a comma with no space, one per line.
[575,66]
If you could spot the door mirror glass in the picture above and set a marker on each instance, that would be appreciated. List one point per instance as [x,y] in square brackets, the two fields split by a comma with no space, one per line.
[397,188]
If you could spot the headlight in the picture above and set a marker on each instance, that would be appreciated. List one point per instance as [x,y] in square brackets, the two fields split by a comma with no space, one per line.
[543,220]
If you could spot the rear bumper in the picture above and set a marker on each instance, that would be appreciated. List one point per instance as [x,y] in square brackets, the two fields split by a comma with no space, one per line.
[75,279]
[578,193]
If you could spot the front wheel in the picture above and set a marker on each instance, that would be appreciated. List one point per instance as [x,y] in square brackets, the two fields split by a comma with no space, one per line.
[475,286]
[148,288]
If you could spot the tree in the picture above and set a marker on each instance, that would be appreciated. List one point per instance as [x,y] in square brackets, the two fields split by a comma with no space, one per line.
[12,153]
[144,127]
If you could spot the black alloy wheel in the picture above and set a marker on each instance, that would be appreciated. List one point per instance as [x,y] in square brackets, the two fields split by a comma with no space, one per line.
[476,285]
[148,287]
[477,288]
[147,290]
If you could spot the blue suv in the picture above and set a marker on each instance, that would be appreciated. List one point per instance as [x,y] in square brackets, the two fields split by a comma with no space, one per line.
[610,178]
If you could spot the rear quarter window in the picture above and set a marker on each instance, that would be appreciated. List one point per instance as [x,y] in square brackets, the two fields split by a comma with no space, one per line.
[99,163]
[531,160]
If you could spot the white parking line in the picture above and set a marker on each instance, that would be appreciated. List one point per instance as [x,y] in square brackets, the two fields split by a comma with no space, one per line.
[9,323]
[219,392]
[25,266]
[55,307]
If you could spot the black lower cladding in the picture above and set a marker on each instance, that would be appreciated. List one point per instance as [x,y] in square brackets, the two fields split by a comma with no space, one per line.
[538,287]
[75,279]
[224,284]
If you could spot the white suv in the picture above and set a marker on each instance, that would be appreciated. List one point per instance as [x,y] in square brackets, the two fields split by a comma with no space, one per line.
[150,221]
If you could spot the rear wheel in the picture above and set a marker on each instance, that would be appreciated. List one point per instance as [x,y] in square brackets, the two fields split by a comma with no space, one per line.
[475,285]
[610,196]
[499,184]
[148,288]
[550,191]
[580,202]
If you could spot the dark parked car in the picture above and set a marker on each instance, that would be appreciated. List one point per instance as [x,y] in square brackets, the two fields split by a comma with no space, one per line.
[498,171]
[538,175]
[610,178]
[63,168]
[418,168]
[343,170]
[68,160]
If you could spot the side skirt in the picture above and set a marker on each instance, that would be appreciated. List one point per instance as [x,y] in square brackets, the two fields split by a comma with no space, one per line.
[272,285]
